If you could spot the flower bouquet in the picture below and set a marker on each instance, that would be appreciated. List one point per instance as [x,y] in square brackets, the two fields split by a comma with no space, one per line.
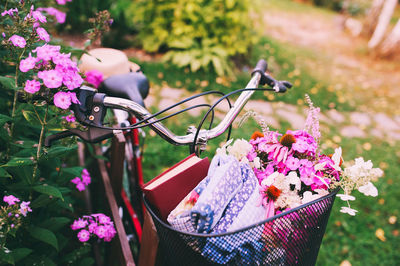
[296,185]
[292,171]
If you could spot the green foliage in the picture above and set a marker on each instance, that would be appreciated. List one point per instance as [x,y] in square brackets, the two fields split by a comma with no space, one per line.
[79,13]
[197,33]
[29,171]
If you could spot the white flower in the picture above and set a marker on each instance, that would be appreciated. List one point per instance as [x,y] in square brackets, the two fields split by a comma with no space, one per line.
[309,196]
[369,190]
[319,166]
[360,163]
[239,149]
[270,179]
[348,210]
[346,197]
[336,158]
[293,179]
[257,162]
[222,150]
[321,192]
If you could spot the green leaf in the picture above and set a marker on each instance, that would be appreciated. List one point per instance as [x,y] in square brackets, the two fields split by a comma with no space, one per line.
[44,235]
[6,258]
[4,119]
[18,162]
[55,223]
[20,253]
[87,261]
[72,171]
[40,201]
[48,262]
[8,83]
[31,117]
[48,190]
[60,150]
[4,173]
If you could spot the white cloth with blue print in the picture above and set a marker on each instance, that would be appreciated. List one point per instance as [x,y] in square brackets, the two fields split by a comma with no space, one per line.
[229,200]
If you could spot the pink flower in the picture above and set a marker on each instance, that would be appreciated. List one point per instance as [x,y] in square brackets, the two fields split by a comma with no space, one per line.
[104,219]
[78,224]
[17,41]
[32,86]
[52,79]
[92,227]
[63,2]
[47,52]
[9,12]
[64,60]
[70,118]
[85,172]
[11,200]
[110,233]
[94,77]
[292,163]
[38,16]
[62,100]
[72,80]
[86,179]
[60,16]
[83,235]
[43,35]
[74,99]
[76,180]
[100,231]
[24,208]
[27,64]
[80,186]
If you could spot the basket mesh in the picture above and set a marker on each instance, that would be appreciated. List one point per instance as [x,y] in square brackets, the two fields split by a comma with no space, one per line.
[291,238]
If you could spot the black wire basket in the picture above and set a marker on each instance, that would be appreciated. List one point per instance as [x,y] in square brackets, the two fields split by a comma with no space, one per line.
[290,238]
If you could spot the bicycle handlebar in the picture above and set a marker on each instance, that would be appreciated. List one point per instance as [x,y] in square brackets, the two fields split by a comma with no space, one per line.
[142,114]
[91,113]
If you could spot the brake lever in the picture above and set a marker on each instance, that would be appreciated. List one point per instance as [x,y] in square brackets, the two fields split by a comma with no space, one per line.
[278,86]
[91,135]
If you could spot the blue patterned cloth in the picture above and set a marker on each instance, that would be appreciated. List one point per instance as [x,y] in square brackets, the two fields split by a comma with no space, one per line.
[228,200]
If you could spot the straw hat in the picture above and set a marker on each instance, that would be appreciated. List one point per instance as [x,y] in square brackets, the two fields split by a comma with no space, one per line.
[108,61]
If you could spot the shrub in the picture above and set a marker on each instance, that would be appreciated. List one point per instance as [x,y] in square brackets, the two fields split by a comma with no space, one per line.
[195,33]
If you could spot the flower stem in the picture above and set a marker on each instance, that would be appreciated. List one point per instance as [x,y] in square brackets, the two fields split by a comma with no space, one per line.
[15,93]
[39,148]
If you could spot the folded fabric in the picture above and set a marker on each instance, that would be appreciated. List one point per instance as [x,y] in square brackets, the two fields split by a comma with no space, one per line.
[228,199]
[225,182]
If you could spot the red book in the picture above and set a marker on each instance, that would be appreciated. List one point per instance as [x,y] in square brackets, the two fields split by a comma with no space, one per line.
[166,190]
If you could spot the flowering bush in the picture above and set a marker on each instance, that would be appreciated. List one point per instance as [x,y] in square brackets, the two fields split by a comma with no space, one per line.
[98,225]
[292,171]
[44,76]
[11,216]
[83,181]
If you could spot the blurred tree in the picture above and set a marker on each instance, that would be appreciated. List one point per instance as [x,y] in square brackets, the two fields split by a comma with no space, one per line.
[372,17]
[383,22]
[391,44]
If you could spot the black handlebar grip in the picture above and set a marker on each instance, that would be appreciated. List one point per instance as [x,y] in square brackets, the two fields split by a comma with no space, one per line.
[261,67]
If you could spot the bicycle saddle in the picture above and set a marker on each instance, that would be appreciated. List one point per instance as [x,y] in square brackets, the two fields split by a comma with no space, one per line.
[133,86]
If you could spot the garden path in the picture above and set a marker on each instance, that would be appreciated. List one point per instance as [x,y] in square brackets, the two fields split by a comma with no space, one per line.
[350,124]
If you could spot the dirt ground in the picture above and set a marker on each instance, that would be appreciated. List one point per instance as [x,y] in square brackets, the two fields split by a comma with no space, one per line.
[376,82]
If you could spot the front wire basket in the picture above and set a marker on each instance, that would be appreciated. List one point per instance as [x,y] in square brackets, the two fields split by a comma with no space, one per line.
[289,238]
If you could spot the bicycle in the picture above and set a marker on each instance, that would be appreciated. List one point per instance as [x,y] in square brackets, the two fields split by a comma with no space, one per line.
[91,112]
